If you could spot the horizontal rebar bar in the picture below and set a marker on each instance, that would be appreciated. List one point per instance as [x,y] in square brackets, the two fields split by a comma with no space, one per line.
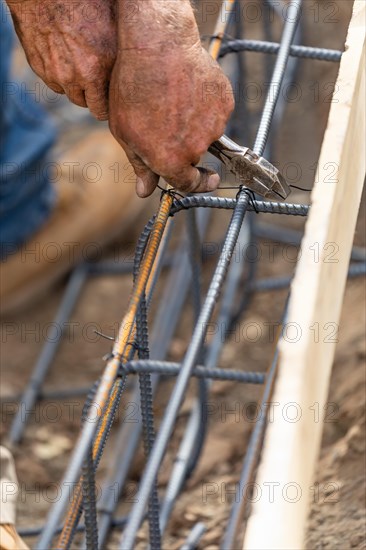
[225,203]
[260,46]
[278,283]
[36,531]
[167,368]
[287,235]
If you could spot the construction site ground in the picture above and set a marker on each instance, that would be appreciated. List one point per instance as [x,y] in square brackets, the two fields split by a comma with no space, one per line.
[337,518]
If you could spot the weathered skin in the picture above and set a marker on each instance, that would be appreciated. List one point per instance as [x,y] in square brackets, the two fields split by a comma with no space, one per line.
[71,45]
[168,100]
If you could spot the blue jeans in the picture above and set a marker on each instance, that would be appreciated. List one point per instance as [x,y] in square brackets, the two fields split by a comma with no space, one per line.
[27,135]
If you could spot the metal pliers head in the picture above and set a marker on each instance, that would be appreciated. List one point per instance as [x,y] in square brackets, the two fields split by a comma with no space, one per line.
[254,172]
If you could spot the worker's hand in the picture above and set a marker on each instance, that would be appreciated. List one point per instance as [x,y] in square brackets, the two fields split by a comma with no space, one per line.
[168,99]
[71,45]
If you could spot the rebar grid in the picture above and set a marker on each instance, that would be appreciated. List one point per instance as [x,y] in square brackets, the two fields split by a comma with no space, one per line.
[201,359]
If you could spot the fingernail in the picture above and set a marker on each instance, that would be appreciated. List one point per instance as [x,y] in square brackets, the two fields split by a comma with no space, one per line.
[213,182]
[140,187]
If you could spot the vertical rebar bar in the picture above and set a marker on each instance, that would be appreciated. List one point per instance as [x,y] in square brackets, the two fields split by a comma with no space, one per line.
[30,396]
[146,400]
[166,427]
[291,21]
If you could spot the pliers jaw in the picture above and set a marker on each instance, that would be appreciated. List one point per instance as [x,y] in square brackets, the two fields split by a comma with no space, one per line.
[254,172]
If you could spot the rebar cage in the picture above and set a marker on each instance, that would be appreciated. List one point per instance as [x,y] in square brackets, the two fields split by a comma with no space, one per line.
[141,354]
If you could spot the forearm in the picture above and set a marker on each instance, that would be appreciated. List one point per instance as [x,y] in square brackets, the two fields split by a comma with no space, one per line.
[151,24]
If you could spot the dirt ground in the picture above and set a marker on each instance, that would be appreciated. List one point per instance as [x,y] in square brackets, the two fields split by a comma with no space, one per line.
[338,515]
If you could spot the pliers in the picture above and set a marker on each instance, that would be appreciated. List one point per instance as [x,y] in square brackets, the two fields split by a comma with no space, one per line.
[254,172]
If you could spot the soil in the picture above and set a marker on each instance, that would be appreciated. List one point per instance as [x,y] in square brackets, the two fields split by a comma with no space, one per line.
[337,517]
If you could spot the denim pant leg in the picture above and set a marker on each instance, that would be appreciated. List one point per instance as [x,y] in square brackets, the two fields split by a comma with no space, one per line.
[27,135]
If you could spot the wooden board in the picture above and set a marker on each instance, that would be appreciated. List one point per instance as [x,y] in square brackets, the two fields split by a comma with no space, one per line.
[292,442]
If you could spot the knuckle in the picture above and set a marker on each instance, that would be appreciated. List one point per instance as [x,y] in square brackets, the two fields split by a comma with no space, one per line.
[102,116]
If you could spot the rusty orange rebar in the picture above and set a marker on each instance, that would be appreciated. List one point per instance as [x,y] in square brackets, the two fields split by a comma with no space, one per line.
[227,8]
[120,354]
[108,389]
